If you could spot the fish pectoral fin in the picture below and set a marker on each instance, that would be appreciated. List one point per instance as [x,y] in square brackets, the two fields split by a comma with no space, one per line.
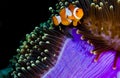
[74,23]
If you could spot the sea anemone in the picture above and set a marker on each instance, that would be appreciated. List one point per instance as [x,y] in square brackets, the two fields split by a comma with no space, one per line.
[51,51]
[101,27]
[76,61]
[38,52]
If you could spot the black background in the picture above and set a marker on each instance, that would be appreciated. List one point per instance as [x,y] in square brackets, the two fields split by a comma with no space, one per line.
[17,18]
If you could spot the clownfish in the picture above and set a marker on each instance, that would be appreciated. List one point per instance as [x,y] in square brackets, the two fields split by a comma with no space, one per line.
[62,17]
[68,15]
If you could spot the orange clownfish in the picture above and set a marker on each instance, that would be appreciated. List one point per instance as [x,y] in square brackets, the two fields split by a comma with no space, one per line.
[68,15]
[62,17]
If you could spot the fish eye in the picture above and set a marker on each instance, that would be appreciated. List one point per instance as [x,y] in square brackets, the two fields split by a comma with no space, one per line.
[77,11]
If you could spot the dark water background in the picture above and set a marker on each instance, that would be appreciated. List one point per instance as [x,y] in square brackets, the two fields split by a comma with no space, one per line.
[17,18]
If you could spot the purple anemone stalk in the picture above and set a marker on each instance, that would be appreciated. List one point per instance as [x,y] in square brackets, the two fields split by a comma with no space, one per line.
[75,61]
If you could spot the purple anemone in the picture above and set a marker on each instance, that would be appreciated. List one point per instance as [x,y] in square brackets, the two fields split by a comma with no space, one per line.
[76,61]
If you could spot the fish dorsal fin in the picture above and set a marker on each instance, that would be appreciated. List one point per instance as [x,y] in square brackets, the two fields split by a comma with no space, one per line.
[71,7]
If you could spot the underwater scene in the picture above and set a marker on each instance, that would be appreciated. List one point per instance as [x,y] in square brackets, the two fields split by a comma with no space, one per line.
[78,39]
